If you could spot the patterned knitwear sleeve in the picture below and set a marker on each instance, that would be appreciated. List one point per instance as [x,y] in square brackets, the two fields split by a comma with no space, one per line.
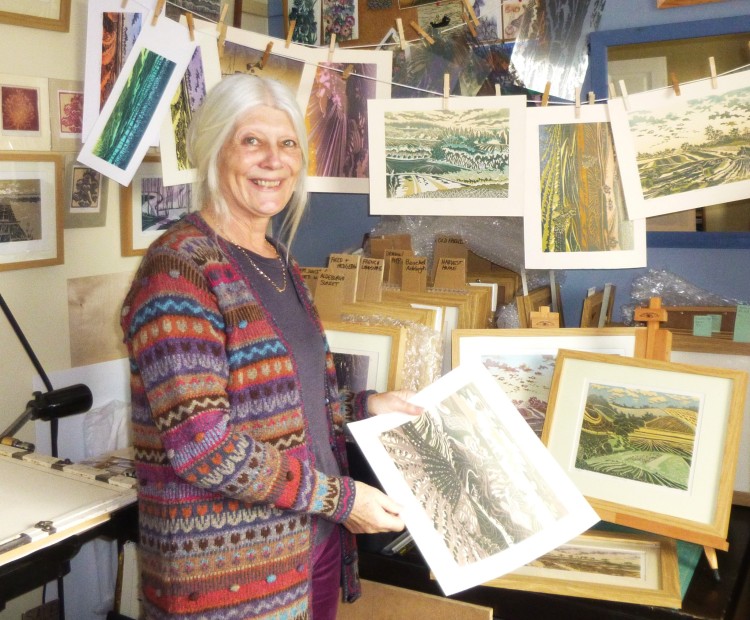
[212,390]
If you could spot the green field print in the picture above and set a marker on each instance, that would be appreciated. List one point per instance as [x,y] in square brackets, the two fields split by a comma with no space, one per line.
[582,202]
[642,435]
[695,144]
[447,154]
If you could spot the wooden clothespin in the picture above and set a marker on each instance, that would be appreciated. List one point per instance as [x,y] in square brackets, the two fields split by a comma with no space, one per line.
[472,14]
[578,102]
[347,72]
[498,90]
[222,17]
[421,32]
[675,83]
[190,25]
[592,97]
[157,11]
[545,95]
[266,55]
[290,32]
[123,4]
[400,30]
[331,47]
[712,68]
[624,93]
[611,90]
[446,89]
[222,39]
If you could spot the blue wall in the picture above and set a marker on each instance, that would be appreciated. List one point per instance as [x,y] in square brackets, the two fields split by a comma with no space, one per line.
[337,222]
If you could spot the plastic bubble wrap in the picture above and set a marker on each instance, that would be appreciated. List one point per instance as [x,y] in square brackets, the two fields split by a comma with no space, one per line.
[423,357]
[673,291]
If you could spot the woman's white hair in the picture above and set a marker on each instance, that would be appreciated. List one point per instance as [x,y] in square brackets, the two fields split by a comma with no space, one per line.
[214,122]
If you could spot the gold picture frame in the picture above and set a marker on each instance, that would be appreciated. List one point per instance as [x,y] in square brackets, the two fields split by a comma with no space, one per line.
[31,186]
[53,15]
[653,445]
[608,566]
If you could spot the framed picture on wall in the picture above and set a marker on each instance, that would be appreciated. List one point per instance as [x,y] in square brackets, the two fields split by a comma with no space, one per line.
[85,203]
[66,114]
[24,113]
[31,186]
[42,14]
[148,207]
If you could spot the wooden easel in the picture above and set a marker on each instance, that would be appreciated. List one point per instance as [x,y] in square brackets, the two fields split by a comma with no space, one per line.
[656,344]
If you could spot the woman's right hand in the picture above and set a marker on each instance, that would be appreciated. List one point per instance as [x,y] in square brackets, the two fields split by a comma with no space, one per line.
[373,512]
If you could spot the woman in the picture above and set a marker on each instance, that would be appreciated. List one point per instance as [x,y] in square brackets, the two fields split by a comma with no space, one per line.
[237,429]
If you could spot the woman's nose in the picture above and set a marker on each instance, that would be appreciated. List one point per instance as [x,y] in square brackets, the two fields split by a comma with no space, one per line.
[272,156]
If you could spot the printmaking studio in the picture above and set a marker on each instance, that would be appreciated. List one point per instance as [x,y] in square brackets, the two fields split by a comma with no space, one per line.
[530,218]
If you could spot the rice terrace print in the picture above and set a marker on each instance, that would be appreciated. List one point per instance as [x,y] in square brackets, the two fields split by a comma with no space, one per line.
[447,153]
[695,144]
[642,435]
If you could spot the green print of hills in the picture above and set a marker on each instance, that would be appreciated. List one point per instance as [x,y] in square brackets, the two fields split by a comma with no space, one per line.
[134,109]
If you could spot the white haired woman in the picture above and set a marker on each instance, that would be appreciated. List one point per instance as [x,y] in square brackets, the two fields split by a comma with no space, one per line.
[245,506]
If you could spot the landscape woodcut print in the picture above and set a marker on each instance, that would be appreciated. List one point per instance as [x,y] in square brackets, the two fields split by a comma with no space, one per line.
[459,154]
[642,435]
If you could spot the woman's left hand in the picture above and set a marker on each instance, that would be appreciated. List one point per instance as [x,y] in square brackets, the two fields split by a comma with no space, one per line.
[392,402]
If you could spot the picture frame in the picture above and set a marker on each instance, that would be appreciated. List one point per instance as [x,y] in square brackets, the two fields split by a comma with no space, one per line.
[24,113]
[523,360]
[129,122]
[148,207]
[509,500]
[609,566]
[85,196]
[375,353]
[536,299]
[66,114]
[570,156]
[398,182]
[722,353]
[652,444]
[53,15]
[32,186]
[654,129]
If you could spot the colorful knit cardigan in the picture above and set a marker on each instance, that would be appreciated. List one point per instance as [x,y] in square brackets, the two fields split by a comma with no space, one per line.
[226,478]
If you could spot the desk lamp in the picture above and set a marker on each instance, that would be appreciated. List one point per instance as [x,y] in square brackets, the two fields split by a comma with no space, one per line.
[49,406]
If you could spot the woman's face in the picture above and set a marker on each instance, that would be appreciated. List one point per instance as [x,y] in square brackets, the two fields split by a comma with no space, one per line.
[259,164]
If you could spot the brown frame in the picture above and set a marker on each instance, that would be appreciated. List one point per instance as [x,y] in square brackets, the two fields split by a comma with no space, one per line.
[574,370]
[58,161]
[59,24]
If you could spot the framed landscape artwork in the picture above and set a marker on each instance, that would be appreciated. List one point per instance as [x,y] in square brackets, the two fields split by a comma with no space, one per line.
[480,494]
[685,151]
[652,444]
[575,215]
[606,566]
[148,207]
[523,360]
[31,187]
[447,156]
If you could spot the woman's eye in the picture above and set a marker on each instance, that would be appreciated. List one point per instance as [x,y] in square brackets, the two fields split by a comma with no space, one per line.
[250,140]
[290,144]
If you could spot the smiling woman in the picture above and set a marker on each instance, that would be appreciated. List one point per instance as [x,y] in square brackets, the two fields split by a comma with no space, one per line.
[236,412]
